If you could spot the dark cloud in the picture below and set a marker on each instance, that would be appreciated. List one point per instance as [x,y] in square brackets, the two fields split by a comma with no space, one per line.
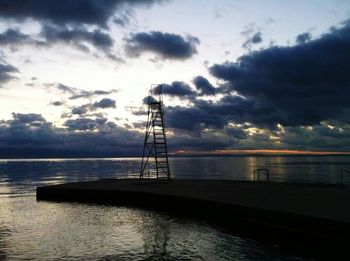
[319,137]
[207,114]
[85,124]
[212,123]
[90,107]
[280,98]
[101,92]
[176,88]
[88,94]
[76,93]
[166,45]
[254,39]
[69,22]
[123,18]
[30,135]
[30,119]
[303,38]
[57,103]
[204,86]
[50,35]
[81,110]
[183,90]
[77,36]
[92,12]
[64,88]
[191,119]
[299,85]
[105,103]
[199,143]
[6,72]
[120,22]
[257,38]
[148,100]
[237,132]
[13,36]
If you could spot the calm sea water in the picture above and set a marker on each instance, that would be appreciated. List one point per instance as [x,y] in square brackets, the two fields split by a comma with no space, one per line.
[49,231]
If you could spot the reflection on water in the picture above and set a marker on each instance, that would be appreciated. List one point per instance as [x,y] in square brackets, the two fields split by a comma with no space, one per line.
[284,169]
[45,230]
[31,230]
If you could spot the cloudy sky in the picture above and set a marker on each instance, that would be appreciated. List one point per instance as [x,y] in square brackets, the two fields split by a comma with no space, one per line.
[239,76]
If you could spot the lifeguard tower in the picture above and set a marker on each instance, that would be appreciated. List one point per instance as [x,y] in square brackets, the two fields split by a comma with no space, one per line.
[155,163]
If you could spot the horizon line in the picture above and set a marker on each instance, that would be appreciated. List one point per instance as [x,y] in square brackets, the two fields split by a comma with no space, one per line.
[260,152]
[190,153]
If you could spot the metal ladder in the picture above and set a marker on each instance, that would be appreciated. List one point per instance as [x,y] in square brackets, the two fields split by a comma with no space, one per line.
[155,145]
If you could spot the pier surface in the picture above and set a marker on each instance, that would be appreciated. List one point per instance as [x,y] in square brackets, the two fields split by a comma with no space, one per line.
[309,218]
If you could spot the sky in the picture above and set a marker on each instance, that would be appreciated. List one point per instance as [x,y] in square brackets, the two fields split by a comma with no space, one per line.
[238,76]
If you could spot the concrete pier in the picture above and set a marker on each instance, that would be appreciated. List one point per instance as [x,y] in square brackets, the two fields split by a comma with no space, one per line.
[310,219]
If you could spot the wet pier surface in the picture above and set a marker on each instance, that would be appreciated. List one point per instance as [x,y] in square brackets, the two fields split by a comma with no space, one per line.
[311,219]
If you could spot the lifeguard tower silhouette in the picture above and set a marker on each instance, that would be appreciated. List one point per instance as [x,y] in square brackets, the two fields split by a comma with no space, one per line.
[155,163]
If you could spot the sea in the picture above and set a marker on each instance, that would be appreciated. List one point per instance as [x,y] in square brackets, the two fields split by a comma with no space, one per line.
[31,230]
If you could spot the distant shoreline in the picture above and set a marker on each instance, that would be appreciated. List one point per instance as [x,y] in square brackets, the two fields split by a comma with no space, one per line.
[175,156]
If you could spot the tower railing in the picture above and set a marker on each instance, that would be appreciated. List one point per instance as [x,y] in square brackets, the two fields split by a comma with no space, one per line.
[257,172]
[343,172]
